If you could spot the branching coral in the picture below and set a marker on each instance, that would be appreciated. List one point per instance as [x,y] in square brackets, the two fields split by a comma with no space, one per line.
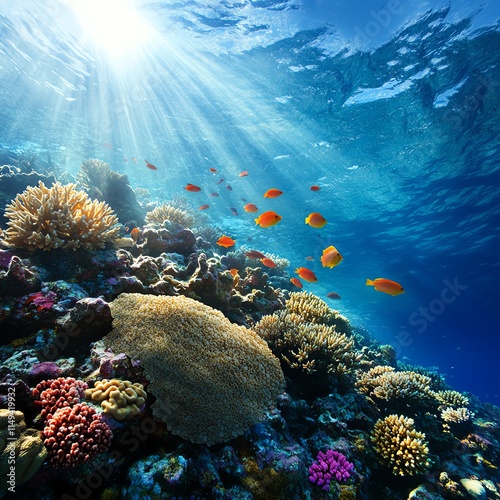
[169,213]
[120,398]
[309,347]
[59,217]
[456,415]
[212,379]
[399,446]
[452,399]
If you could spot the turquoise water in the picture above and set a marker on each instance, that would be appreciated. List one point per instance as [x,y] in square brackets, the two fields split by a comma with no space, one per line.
[392,110]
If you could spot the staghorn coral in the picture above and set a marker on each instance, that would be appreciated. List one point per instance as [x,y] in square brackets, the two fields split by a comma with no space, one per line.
[452,399]
[212,379]
[59,217]
[308,347]
[456,415]
[119,398]
[169,213]
[75,435]
[27,448]
[399,446]
[314,310]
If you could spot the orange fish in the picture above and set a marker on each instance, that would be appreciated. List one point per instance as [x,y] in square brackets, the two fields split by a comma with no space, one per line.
[254,254]
[272,193]
[268,262]
[150,165]
[234,272]
[333,295]
[192,188]
[315,220]
[213,170]
[331,257]
[225,241]
[244,173]
[296,282]
[204,207]
[387,286]
[135,233]
[306,274]
[314,188]
[268,219]
[250,207]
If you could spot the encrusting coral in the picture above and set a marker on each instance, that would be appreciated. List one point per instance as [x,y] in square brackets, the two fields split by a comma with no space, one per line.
[27,448]
[120,398]
[399,446]
[58,217]
[212,379]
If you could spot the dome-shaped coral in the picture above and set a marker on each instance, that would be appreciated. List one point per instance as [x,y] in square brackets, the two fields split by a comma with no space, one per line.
[169,213]
[58,217]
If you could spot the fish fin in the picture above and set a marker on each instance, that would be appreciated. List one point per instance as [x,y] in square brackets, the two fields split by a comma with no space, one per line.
[369,282]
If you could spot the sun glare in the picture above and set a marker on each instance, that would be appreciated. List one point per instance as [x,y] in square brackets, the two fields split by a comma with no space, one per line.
[115,26]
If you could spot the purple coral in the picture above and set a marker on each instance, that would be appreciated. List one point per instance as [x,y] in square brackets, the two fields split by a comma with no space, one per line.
[328,466]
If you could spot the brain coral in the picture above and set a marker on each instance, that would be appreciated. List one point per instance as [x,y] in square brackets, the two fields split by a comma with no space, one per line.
[58,217]
[400,446]
[212,379]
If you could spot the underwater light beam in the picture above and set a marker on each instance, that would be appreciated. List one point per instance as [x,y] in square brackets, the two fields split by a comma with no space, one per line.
[115,26]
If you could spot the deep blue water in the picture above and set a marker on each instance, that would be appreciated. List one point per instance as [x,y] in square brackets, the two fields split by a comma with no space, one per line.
[392,110]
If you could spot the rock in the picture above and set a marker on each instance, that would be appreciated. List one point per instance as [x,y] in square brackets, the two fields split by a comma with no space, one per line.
[474,487]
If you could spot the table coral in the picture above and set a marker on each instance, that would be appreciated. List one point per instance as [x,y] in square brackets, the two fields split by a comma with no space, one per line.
[75,435]
[120,398]
[58,217]
[212,379]
[399,446]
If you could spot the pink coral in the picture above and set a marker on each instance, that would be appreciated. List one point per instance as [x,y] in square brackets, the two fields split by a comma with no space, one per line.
[51,395]
[328,466]
[75,435]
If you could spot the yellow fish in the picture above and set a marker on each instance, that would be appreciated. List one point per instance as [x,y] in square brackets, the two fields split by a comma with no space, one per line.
[268,219]
[316,220]
[387,286]
[331,257]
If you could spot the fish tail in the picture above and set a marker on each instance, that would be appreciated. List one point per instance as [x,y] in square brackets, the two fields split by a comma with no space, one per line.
[369,282]
[256,221]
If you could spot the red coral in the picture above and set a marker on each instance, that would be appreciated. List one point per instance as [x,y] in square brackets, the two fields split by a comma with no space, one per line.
[51,395]
[75,435]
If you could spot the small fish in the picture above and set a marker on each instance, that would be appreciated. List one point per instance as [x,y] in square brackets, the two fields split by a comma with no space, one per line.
[192,188]
[331,257]
[135,234]
[309,258]
[229,188]
[316,220]
[214,194]
[225,241]
[213,170]
[306,274]
[235,212]
[204,207]
[150,165]
[234,272]
[254,254]
[333,295]
[266,261]
[222,180]
[296,282]
[314,188]
[387,286]
[268,219]
[244,173]
[272,193]
[134,159]
[250,207]
[243,200]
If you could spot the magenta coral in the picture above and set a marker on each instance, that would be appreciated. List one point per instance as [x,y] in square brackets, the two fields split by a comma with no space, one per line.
[75,435]
[328,466]
[51,395]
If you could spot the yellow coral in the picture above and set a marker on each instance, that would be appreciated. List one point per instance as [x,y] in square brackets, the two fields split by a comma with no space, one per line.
[174,215]
[452,398]
[212,379]
[456,415]
[119,398]
[399,446]
[28,449]
[58,217]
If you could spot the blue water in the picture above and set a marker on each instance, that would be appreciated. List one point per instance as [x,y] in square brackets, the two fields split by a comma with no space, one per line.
[391,109]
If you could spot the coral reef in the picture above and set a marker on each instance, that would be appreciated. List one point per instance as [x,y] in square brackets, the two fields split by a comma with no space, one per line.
[399,446]
[121,399]
[327,466]
[75,435]
[169,213]
[211,379]
[20,446]
[58,217]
